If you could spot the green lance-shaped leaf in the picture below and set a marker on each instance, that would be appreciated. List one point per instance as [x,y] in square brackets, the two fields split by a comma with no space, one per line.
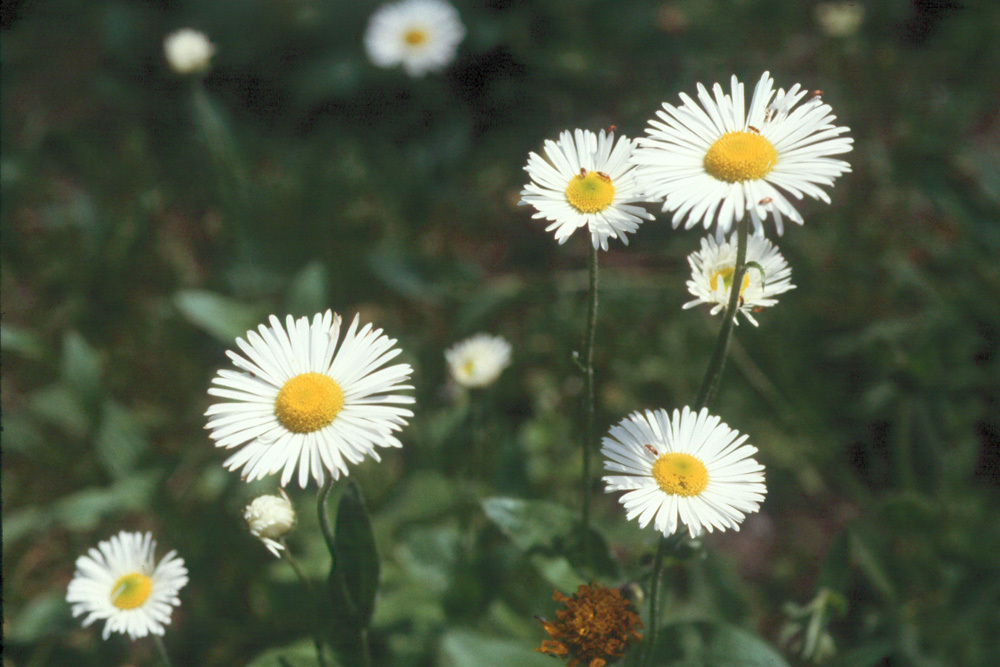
[355,570]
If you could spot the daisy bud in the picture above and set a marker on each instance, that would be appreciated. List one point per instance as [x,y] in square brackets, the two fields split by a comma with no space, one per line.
[188,51]
[269,518]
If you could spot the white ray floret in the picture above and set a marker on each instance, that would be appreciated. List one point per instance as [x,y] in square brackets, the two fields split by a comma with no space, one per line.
[420,35]
[687,468]
[311,396]
[712,268]
[120,583]
[588,181]
[714,161]
[478,361]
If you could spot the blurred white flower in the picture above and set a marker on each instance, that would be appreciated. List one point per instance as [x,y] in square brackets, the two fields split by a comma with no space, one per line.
[688,468]
[478,361]
[269,518]
[302,397]
[839,19]
[188,51]
[120,583]
[712,270]
[715,162]
[587,181]
[420,35]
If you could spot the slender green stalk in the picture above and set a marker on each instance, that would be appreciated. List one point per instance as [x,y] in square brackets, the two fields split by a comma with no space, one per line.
[162,650]
[588,376]
[312,593]
[713,375]
[706,393]
[327,528]
[324,514]
[654,594]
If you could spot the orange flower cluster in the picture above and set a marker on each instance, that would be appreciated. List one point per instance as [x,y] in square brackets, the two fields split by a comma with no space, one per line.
[596,627]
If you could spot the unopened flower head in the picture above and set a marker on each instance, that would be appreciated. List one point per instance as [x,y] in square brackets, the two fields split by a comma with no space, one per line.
[687,468]
[120,583]
[269,518]
[309,395]
[420,35]
[839,19]
[188,51]
[713,266]
[478,361]
[595,627]
[587,181]
[715,162]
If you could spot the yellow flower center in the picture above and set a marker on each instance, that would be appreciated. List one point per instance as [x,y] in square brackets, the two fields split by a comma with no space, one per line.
[590,191]
[726,274]
[415,37]
[468,367]
[308,402]
[680,474]
[131,591]
[740,156]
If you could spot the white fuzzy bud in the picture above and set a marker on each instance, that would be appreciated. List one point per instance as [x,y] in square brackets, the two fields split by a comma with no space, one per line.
[188,51]
[269,518]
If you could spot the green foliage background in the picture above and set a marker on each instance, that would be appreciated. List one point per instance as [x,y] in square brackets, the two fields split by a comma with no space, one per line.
[147,220]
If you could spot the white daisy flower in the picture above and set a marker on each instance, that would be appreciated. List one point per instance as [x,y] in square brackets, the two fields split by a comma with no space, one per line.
[712,270]
[188,51]
[716,162]
[299,399]
[120,583]
[420,35]
[270,518]
[478,361]
[687,468]
[587,180]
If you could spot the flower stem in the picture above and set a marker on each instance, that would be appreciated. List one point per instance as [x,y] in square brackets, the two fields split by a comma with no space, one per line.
[713,375]
[162,650]
[324,514]
[654,590]
[706,393]
[312,593]
[588,376]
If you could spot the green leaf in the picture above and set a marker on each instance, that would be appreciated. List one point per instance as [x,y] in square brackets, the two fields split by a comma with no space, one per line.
[82,510]
[222,317]
[869,654]
[465,648]
[21,341]
[731,646]
[714,645]
[81,366]
[307,292]
[557,571]
[869,560]
[120,439]
[59,406]
[355,555]
[43,615]
[299,654]
[530,524]
[837,564]
[20,434]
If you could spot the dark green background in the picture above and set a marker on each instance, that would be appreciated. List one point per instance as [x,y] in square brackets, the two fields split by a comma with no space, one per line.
[148,219]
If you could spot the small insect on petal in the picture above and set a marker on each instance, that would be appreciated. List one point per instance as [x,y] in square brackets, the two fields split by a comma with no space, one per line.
[612,128]
[652,450]
[765,200]
[753,129]
[583,172]
[604,176]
